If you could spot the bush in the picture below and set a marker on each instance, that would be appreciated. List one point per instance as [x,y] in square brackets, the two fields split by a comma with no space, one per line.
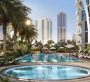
[2,79]
[9,57]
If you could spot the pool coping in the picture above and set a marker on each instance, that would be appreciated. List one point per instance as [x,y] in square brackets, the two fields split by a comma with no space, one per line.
[2,72]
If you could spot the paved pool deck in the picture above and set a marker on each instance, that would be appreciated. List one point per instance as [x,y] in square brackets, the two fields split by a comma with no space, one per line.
[81,64]
[85,63]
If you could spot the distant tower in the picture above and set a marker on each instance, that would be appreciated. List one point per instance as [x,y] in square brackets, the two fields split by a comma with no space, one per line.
[61,26]
[44,29]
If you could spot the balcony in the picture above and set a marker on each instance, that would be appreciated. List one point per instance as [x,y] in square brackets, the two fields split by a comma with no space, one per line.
[79,23]
[79,34]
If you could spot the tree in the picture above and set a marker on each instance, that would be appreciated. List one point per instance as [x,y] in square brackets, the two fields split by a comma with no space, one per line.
[39,45]
[18,20]
[11,11]
[28,33]
[4,19]
[74,48]
[60,46]
[49,44]
[56,46]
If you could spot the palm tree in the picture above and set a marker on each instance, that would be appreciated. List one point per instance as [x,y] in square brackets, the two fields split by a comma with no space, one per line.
[39,45]
[56,47]
[31,34]
[11,11]
[28,33]
[60,46]
[21,12]
[4,19]
[49,44]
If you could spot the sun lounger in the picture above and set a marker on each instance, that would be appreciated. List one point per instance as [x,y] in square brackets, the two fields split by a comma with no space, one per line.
[80,55]
[87,57]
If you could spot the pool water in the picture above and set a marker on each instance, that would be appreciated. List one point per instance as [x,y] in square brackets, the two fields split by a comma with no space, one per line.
[47,58]
[47,72]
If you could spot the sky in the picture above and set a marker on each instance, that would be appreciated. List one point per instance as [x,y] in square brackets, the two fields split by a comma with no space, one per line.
[50,9]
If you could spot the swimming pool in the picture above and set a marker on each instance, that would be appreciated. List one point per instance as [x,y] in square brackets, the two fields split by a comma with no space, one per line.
[47,72]
[47,58]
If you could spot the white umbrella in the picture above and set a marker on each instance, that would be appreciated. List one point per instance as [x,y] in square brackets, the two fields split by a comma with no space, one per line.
[45,48]
[61,47]
[69,46]
[53,48]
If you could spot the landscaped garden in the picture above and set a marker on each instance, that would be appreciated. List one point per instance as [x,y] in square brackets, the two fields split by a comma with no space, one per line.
[19,36]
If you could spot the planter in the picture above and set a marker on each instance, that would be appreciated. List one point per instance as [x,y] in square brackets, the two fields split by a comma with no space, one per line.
[35,52]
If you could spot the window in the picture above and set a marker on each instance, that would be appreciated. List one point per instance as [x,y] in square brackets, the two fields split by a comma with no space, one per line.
[86,37]
[80,3]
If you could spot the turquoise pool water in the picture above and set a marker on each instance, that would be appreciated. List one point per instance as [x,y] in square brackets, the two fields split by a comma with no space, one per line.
[47,58]
[47,72]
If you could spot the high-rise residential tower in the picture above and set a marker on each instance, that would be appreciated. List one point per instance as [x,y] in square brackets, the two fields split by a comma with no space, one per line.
[61,26]
[74,37]
[88,18]
[44,29]
[82,23]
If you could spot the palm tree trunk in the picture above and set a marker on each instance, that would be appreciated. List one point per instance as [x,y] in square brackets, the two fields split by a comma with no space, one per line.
[4,37]
[15,40]
[28,44]
[22,39]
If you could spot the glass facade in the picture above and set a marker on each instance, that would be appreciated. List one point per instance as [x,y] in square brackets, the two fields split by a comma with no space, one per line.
[61,26]
[42,30]
[82,29]
[86,28]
